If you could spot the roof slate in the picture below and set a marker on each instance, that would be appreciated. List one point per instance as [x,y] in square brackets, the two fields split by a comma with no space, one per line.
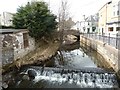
[5,31]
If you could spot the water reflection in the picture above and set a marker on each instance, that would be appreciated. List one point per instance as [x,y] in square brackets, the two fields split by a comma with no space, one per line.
[76,55]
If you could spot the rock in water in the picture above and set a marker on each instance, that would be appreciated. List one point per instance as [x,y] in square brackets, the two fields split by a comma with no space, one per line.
[4,85]
[32,74]
[25,77]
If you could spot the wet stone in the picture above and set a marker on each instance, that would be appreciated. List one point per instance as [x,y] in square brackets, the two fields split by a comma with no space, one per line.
[25,77]
[4,85]
[32,74]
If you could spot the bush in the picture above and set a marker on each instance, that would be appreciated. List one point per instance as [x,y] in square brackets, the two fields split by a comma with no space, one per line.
[36,17]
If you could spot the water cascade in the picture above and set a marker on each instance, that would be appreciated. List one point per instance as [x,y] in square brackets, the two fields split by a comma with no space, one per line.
[81,78]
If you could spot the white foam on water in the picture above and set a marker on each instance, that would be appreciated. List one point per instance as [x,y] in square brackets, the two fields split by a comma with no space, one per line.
[81,79]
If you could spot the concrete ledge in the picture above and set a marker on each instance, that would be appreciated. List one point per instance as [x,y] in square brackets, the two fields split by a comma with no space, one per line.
[108,52]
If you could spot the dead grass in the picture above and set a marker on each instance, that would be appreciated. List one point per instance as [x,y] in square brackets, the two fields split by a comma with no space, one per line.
[45,50]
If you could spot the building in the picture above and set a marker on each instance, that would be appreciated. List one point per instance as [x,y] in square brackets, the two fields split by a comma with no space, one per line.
[89,24]
[0,19]
[6,19]
[104,17]
[15,44]
[113,25]
[109,18]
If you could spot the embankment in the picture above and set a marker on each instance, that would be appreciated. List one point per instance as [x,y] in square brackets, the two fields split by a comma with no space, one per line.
[44,51]
[108,52]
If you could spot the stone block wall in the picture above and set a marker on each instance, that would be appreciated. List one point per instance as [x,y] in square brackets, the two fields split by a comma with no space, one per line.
[12,46]
[20,50]
[108,52]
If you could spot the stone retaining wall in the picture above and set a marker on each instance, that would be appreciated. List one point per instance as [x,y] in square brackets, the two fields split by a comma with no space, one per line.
[13,46]
[108,52]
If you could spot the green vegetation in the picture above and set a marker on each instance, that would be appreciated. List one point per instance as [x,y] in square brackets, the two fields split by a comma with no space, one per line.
[37,18]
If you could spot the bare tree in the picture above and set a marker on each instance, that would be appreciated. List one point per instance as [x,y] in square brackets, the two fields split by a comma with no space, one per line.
[63,14]
[62,17]
[69,24]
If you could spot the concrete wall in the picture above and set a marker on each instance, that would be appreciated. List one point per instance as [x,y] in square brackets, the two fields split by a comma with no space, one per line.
[108,52]
[102,19]
[13,47]
[108,14]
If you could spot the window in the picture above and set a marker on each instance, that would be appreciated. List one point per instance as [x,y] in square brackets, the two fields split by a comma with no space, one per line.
[84,28]
[110,29]
[88,23]
[113,13]
[117,28]
[117,12]
[93,29]
[88,30]
[102,30]
[25,40]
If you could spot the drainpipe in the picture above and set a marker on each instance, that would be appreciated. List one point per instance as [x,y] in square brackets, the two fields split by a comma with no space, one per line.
[106,12]
[106,18]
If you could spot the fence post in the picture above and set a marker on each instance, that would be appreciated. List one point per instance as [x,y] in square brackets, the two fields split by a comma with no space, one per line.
[92,35]
[99,36]
[96,36]
[109,39]
[116,40]
[103,37]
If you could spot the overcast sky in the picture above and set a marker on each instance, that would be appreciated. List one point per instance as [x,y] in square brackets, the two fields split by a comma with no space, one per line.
[77,8]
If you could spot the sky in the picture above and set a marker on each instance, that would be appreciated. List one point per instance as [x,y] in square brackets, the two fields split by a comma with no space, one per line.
[76,8]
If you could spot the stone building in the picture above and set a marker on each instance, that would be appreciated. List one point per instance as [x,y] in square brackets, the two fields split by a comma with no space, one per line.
[15,43]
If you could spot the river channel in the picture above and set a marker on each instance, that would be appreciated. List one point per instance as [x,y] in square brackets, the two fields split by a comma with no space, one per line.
[69,61]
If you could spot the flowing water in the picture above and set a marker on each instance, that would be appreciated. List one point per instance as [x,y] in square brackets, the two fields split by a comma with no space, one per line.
[73,67]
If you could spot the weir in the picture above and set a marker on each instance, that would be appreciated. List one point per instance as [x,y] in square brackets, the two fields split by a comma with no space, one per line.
[81,78]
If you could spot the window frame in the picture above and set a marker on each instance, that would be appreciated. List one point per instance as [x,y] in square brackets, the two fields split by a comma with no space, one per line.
[25,40]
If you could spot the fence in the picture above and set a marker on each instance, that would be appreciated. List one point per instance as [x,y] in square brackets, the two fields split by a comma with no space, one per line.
[110,39]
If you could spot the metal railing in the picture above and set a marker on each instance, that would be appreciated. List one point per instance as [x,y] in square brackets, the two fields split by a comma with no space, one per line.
[110,39]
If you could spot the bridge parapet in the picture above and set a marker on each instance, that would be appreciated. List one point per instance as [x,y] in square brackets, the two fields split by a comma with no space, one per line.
[71,32]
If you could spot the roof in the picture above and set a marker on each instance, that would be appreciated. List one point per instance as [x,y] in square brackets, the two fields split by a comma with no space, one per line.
[105,5]
[8,12]
[9,31]
[112,22]
[92,18]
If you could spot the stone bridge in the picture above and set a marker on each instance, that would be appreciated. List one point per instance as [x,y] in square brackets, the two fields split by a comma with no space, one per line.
[71,32]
